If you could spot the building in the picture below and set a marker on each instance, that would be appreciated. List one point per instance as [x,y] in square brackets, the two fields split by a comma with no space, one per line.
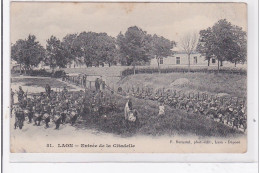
[14,66]
[181,58]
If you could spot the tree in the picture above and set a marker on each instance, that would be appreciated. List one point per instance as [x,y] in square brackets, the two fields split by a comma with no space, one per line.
[238,48]
[70,44]
[96,48]
[56,53]
[204,46]
[162,48]
[135,46]
[88,47]
[28,53]
[106,49]
[224,41]
[188,44]
[122,48]
[17,52]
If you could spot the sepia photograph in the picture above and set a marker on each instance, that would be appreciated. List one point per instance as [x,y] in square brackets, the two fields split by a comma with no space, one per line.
[115,77]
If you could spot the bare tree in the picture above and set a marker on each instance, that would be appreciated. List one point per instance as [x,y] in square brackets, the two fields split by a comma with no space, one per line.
[188,43]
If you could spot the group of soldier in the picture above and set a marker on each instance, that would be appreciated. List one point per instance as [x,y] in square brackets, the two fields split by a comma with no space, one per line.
[66,107]
[81,80]
[60,107]
[227,110]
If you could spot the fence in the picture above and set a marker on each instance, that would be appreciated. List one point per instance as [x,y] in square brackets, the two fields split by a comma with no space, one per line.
[85,81]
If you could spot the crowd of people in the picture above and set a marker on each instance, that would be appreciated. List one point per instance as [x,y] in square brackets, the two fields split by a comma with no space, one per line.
[66,107]
[60,107]
[226,110]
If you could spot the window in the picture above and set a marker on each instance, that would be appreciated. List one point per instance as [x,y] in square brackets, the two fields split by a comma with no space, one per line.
[195,60]
[161,60]
[178,60]
[213,61]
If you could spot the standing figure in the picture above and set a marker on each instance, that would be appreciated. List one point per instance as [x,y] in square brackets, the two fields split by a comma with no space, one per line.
[64,111]
[19,118]
[29,110]
[48,90]
[84,80]
[64,91]
[97,84]
[46,114]
[128,107]
[57,119]
[38,113]
[20,94]
[102,84]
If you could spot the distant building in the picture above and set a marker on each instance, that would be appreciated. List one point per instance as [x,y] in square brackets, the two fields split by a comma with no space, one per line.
[181,58]
[14,66]
[42,65]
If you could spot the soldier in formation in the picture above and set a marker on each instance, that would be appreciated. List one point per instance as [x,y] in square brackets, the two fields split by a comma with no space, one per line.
[228,111]
[62,107]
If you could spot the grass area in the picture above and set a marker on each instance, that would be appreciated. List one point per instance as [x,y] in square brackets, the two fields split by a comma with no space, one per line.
[233,84]
[175,122]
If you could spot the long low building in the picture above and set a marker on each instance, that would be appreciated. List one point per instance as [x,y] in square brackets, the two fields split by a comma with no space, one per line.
[181,58]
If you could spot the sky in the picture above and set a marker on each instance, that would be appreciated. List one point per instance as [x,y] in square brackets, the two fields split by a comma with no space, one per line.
[170,20]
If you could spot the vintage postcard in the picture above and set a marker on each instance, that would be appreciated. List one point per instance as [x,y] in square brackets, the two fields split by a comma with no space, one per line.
[128,77]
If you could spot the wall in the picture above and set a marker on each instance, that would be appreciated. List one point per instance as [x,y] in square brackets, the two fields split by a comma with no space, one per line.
[171,60]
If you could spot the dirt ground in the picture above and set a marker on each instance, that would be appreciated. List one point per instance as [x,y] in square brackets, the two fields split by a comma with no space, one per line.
[30,132]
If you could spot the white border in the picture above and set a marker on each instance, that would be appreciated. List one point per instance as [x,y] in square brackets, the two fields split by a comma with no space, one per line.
[250,156]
